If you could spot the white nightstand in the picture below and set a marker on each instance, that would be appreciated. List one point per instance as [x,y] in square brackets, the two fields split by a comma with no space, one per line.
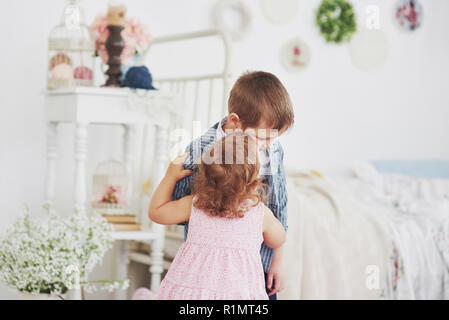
[116,106]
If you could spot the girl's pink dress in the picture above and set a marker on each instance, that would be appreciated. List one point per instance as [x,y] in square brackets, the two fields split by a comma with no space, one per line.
[220,259]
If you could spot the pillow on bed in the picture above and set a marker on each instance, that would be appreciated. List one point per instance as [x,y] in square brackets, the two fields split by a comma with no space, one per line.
[430,169]
[407,188]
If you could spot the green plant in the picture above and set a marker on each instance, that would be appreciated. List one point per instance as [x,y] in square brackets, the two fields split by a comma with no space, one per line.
[336,20]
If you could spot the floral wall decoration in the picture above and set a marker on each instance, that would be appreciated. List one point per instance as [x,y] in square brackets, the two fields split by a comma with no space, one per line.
[295,55]
[336,20]
[409,14]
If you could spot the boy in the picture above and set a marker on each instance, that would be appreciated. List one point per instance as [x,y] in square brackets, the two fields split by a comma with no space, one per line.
[260,106]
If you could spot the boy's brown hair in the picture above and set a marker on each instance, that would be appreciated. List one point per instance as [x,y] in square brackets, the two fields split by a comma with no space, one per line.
[228,176]
[260,96]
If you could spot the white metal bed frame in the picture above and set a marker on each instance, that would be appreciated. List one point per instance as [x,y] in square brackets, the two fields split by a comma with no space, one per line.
[178,84]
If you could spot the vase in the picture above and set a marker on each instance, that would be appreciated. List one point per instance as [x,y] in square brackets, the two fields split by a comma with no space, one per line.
[41,296]
[114,47]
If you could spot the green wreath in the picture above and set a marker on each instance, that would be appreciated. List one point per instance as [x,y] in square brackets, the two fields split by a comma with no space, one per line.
[336,20]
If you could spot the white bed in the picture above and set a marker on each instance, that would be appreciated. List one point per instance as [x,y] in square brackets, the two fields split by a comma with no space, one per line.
[413,212]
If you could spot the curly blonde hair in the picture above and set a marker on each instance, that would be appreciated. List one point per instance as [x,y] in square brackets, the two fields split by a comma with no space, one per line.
[228,177]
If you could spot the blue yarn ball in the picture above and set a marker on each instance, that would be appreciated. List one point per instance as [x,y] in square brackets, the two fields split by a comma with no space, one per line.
[138,78]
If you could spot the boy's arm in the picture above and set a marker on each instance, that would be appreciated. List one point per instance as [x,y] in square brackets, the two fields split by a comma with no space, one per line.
[183,186]
[182,189]
[276,272]
[282,194]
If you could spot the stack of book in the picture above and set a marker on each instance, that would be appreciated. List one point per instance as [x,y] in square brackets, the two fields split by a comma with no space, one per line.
[123,222]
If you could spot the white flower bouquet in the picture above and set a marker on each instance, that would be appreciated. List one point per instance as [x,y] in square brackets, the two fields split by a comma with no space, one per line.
[52,255]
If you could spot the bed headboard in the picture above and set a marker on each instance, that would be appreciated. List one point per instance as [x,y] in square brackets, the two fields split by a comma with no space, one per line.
[203,91]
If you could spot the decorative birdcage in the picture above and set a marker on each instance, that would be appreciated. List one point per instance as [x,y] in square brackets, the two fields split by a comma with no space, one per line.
[110,188]
[70,50]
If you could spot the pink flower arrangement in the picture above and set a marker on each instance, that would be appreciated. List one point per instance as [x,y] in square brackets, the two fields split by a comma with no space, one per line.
[135,35]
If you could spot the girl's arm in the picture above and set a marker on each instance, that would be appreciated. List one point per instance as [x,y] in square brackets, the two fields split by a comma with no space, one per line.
[273,231]
[164,211]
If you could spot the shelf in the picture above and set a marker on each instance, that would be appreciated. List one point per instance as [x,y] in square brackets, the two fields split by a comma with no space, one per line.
[109,105]
[174,235]
[142,235]
[146,259]
[108,91]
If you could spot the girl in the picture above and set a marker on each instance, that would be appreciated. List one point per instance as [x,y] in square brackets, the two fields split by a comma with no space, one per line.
[227,224]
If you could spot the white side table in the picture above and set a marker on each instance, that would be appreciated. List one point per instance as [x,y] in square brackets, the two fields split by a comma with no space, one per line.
[116,106]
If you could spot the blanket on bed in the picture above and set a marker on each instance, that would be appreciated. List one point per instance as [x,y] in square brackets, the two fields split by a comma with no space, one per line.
[417,211]
[336,247]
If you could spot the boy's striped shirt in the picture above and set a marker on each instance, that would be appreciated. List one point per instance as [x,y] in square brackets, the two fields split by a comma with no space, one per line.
[274,178]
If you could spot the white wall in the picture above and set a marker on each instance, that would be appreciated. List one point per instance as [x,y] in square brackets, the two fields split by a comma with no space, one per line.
[342,114]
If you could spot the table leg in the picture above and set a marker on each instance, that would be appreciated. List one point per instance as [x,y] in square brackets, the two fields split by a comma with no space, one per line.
[128,160]
[80,178]
[157,258]
[80,166]
[51,162]
[157,253]
[122,268]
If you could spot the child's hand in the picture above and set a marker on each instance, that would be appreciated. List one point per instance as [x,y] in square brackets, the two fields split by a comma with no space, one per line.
[276,278]
[176,169]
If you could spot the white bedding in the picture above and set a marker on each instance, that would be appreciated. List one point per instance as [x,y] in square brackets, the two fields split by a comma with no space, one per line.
[341,223]
[332,243]
[417,211]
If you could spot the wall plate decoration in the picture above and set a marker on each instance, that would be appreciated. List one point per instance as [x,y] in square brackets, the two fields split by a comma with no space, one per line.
[233,17]
[295,55]
[280,12]
[369,49]
[408,14]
